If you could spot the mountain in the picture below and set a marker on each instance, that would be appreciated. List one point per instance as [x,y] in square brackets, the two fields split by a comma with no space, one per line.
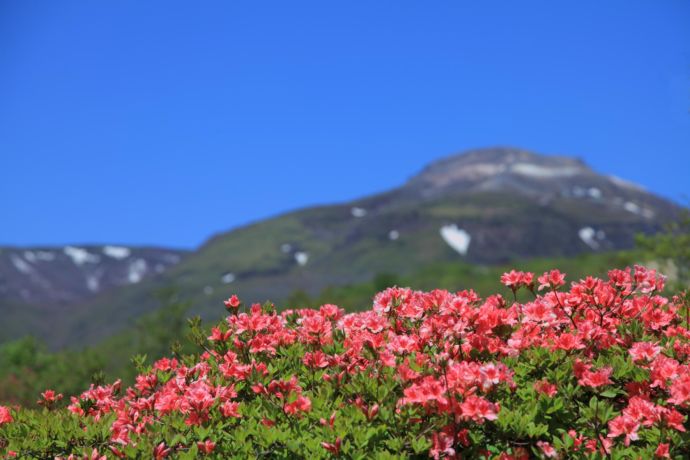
[485,206]
[62,276]
[40,287]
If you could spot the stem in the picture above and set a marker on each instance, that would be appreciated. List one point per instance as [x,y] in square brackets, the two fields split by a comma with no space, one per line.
[598,432]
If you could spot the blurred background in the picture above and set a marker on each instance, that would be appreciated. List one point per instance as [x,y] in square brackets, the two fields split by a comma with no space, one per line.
[157,157]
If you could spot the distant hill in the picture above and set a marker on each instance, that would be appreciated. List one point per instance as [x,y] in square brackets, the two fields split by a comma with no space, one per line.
[63,276]
[41,287]
[485,206]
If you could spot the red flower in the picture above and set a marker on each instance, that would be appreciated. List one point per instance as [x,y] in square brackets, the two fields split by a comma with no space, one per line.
[161,451]
[330,422]
[267,422]
[662,451]
[478,409]
[567,342]
[301,404]
[674,419]
[596,379]
[516,280]
[230,409]
[316,360]
[5,415]
[49,398]
[547,449]
[545,388]
[644,351]
[206,447]
[333,448]
[233,303]
[442,443]
[680,390]
[624,425]
[553,279]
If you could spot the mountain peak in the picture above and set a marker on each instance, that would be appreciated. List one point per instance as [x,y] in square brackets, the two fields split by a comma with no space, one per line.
[497,168]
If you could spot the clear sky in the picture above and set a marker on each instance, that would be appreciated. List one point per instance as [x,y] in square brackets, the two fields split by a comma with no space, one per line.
[163,122]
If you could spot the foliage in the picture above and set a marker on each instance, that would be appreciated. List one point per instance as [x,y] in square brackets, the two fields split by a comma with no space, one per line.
[27,366]
[154,334]
[672,246]
[595,371]
[459,275]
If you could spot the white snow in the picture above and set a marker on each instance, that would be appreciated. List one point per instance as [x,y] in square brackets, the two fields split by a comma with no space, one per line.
[21,265]
[544,172]
[626,184]
[92,283]
[228,278]
[36,256]
[46,256]
[456,238]
[594,193]
[302,258]
[358,212]
[116,252]
[632,207]
[137,269]
[285,248]
[393,235]
[587,235]
[80,256]
[637,209]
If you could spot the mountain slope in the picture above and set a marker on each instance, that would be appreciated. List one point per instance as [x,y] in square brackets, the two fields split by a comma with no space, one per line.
[485,206]
[40,287]
[66,275]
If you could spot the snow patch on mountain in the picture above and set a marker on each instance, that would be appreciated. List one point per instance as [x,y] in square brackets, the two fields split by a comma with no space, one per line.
[589,236]
[137,270]
[301,258]
[116,252]
[20,264]
[625,183]
[456,238]
[545,172]
[93,283]
[80,256]
[358,212]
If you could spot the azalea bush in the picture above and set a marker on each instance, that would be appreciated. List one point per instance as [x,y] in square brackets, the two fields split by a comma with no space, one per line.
[598,369]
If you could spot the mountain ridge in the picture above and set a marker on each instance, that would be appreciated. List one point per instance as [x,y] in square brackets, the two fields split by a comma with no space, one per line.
[485,206]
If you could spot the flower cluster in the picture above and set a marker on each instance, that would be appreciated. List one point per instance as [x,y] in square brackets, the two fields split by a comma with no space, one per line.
[599,369]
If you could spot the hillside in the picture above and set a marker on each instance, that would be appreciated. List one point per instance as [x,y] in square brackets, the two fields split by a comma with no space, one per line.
[68,275]
[483,207]
[51,282]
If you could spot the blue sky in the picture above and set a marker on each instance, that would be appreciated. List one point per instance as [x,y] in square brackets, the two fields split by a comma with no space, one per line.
[163,122]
